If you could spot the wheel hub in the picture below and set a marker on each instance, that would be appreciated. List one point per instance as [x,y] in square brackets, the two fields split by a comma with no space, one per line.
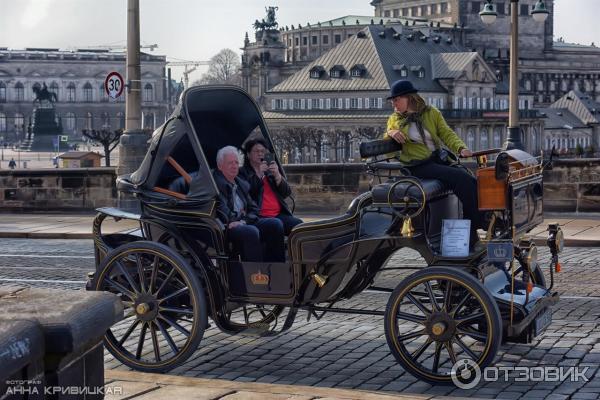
[146,307]
[440,326]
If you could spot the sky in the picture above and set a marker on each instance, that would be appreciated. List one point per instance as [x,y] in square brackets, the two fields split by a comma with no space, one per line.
[198,29]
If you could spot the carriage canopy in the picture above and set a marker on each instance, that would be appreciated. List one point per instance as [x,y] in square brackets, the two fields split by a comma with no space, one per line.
[206,119]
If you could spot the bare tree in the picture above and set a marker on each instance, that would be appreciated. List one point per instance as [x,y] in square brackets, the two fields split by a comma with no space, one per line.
[108,139]
[224,67]
[295,141]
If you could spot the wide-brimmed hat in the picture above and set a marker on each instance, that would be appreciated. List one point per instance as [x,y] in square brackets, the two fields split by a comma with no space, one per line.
[400,88]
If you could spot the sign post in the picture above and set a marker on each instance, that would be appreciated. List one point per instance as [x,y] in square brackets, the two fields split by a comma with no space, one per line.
[114,84]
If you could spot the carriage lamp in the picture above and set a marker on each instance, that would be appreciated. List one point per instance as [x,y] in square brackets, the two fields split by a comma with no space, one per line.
[319,280]
[556,238]
[532,256]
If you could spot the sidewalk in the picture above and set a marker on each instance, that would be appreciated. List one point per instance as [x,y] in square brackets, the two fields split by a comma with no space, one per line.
[583,232]
[145,386]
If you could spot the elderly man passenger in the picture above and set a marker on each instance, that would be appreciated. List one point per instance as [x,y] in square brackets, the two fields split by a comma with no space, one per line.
[235,208]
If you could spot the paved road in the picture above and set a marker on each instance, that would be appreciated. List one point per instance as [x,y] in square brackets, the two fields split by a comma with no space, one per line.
[351,351]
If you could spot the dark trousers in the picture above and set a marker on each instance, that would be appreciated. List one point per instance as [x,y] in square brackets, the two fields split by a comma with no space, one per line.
[289,222]
[249,240]
[461,183]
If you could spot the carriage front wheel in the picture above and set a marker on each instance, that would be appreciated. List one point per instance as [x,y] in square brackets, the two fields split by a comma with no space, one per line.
[165,306]
[439,316]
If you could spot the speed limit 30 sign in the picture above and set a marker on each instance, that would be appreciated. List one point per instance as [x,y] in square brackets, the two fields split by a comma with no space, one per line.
[114,84]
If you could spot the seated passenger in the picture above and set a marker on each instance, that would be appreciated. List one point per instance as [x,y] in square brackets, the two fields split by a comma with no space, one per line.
[424,133]
[268,188]
[236,209]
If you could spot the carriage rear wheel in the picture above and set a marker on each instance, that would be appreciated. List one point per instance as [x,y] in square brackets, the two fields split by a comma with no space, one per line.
[439,316]
[165,306]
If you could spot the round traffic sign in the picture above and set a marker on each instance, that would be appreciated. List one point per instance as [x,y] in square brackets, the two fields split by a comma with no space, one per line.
[113,84]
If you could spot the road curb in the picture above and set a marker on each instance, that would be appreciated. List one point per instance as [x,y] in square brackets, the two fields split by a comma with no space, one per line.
[255,387]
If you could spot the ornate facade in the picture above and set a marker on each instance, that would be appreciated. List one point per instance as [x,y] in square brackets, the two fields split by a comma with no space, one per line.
[77,79]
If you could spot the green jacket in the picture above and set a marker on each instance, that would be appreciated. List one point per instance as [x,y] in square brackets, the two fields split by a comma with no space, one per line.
[435,123]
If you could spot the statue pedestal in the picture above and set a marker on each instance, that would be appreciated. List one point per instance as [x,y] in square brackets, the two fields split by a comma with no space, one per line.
[45,129]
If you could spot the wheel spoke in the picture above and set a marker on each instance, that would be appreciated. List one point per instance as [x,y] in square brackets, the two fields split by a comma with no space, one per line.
[177,310]
[418,303]
[154,342]
[127,276]
[464,320]
[121,288]
[153,274]
[174,294]
[451,352]
[465,348]
[175,325]
[142,339]
[129,331]
[140,270]
[435,306]
[436,357]
[447,296]
[421,349]
[475,335]
[411,317]
[462,302]
[412,335]
[163,284]
[168,337]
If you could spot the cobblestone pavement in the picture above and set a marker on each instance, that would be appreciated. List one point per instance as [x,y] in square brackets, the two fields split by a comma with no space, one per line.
[350,351]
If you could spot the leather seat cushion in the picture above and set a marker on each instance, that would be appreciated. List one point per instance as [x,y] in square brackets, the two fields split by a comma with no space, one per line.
[433,189]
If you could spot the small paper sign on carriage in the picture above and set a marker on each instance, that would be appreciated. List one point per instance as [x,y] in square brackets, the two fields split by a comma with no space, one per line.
[179,269]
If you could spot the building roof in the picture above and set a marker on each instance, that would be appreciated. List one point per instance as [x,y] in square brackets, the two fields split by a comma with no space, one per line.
[358,20]
[560,118]
[75,155]
[381,50]
[581,105]
[451,65]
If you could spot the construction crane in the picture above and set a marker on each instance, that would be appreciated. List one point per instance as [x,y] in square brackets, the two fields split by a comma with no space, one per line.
[189,67]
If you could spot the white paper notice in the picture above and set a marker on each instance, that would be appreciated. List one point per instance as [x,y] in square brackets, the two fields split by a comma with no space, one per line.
[455,237]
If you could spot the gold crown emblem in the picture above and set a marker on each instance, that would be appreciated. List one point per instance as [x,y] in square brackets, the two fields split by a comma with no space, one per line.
[259,278]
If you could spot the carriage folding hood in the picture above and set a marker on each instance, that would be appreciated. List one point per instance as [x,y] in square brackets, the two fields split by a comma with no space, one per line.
[212,117]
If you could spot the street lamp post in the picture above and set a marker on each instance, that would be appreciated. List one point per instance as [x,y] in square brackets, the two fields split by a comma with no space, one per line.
[488,16]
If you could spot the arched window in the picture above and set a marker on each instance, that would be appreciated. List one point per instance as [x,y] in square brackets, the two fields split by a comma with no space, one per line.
[88,93]
[483,139]
[148,92]
[69,121]
[71,92]
[19,122]
[497,138]
[540,85]
[2,122]
[102,93]
[89,121]
[2,92]
[471,139]
[54,89]
[105,120]
[121,119]
[36,86]
[19,92]
[148,120]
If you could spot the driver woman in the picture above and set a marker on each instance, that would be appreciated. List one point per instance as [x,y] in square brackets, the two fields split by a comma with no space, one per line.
[425,135]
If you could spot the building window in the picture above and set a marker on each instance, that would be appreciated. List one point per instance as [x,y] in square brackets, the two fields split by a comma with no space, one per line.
[2,122]
[121,120]
[470,139]
[148,92]
[497,138]
[69,119]
[54,89]
[19,92]
[421,73]
[414,11]
[444,8]
[305,40]
[337,39]
[424,10]
[297,41]
[297,104]
[105,121]
[405,12]
[475,7]
[500,9]
[386,13]
[88,93]
[396,13]
[89,121]
[148,120]
[315,74]
[524,9]
[71,92]
[317,103]
[337,103]
[2,92]
[354,103]
[315,40]
[325,39]
[19,122]
[483,139]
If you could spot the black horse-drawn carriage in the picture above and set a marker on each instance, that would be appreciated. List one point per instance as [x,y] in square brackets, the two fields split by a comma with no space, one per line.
[179,269]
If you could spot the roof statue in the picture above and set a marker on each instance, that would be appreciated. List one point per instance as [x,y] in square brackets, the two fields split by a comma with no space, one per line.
[270,22]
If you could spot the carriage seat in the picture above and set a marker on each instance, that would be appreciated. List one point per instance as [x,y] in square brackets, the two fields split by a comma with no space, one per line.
[433,188]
